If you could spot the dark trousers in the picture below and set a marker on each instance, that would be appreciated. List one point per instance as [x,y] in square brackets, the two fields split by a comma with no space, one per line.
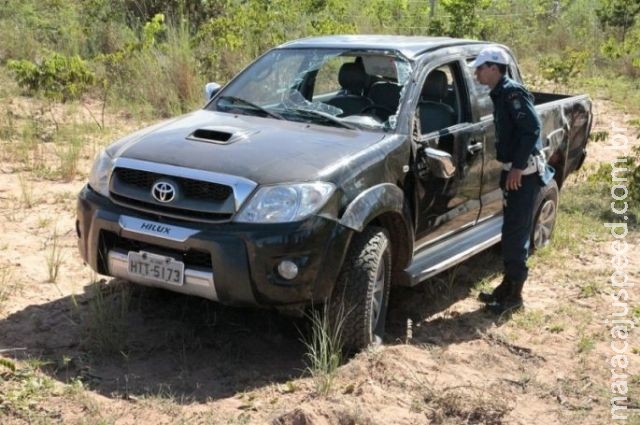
[518,211]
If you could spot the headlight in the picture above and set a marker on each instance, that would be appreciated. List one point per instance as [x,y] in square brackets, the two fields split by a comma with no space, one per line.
[285,203]
[101,173]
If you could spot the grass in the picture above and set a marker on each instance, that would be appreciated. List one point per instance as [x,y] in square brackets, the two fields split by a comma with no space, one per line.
[68,154]
[7,124]
[621,90]
[591,289]
[586,343]
[324,349]
[25,150]
[572,314]
[25,386]
[556,328]
[529,320]
[74,140]
[463,404]
[55,257]
[7,284]
[27,199]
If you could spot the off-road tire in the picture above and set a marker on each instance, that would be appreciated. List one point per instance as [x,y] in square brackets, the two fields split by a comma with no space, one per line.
[544,219]
[360,298]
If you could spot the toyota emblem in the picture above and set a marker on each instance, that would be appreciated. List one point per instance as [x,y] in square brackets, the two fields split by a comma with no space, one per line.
[163,191]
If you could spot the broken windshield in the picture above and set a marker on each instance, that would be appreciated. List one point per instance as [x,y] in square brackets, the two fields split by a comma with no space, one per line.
[343,87]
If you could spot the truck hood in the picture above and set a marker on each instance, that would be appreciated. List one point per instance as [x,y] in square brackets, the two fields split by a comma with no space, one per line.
[264,150]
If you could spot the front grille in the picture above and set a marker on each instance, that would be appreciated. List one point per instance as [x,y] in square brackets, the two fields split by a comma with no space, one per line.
[196,200]
[193,189]
[163,210]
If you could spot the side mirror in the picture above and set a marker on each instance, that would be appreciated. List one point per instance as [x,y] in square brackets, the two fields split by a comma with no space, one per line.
[439,163]
[210,89]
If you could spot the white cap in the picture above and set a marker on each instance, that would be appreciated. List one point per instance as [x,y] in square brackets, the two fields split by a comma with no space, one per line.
[491,54]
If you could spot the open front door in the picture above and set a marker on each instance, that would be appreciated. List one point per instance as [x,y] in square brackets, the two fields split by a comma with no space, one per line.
[447,202]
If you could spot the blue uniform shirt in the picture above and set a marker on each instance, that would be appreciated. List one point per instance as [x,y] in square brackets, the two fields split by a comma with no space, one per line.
[516,122]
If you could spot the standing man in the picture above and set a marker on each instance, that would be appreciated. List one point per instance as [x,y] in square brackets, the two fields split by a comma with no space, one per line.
[518,144]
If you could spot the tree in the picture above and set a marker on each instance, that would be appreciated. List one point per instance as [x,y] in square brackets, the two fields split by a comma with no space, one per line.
[461,18]
[620,14]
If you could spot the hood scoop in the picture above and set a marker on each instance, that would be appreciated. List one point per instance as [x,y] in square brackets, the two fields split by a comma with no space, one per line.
[223,135]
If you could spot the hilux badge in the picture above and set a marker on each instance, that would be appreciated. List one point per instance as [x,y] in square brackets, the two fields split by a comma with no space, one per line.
[163,191]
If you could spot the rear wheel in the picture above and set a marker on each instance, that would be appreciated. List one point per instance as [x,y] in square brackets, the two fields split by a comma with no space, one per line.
[361,295]
[546,210]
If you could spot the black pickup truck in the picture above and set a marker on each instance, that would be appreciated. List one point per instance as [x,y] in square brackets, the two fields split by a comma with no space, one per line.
[328,170]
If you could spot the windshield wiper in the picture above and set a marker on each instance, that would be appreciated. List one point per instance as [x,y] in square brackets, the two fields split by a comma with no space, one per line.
[312,113]
[251,105]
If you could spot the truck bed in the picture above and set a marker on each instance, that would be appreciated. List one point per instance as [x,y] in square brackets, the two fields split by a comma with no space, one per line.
[566,123]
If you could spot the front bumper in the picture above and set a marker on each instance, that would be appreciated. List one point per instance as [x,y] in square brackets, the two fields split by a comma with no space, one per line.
[233,263]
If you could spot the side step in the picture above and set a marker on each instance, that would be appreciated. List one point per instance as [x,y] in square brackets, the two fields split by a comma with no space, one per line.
[440,256]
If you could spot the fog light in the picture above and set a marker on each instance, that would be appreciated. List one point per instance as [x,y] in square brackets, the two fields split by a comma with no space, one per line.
[288,269]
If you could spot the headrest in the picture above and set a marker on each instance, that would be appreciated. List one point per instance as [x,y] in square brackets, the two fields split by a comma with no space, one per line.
[435,88]
[352,77]
[385,93]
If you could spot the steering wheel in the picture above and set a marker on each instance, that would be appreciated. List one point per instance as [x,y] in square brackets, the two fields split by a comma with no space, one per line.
[377,108]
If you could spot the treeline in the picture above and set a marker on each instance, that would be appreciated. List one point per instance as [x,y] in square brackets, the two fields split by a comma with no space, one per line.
[160,52]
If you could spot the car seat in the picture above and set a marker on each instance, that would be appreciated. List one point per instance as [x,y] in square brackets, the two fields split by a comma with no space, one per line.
[434,113]
[352,79]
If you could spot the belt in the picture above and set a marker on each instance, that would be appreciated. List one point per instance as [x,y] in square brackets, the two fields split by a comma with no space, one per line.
[531,167]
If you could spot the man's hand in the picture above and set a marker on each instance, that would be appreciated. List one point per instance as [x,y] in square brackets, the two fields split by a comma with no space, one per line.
[514,179]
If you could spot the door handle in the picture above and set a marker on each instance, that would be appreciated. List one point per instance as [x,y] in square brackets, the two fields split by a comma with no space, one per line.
[475,147]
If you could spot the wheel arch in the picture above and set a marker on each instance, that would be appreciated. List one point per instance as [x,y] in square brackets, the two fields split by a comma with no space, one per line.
[384,205]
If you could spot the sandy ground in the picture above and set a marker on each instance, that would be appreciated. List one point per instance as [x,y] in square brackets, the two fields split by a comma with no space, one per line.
[177,359]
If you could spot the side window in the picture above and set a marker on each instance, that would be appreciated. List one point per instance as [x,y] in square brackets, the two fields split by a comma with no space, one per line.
[439,104]
[480,92]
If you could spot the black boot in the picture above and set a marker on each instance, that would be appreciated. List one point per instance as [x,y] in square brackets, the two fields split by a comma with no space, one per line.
[498,293]
[511,302]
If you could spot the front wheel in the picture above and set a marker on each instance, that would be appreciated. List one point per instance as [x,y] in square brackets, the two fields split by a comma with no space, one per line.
[361,295]
[544,219]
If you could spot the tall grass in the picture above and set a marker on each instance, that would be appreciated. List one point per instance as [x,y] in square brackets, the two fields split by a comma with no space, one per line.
[7,285]
[68,153]
[324,348]
[55,256]
[163,80]
[27,199]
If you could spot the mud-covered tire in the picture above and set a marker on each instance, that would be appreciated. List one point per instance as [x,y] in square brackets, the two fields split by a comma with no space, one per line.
[544,219]
[361,295]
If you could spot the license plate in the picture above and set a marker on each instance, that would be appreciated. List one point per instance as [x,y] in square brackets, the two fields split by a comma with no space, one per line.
[156,267]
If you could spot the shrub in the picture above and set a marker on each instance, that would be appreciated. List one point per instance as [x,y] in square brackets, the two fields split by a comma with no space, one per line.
[564,67]
[57,77]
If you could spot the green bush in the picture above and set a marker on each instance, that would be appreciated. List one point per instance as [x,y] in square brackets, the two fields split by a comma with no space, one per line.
[57,77]
[603,180]
[157,53]
[29,27]
[158,72]
[564,66]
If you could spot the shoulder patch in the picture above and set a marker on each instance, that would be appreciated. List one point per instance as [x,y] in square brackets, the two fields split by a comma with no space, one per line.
[513,94]
[514,97]
[516,104]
